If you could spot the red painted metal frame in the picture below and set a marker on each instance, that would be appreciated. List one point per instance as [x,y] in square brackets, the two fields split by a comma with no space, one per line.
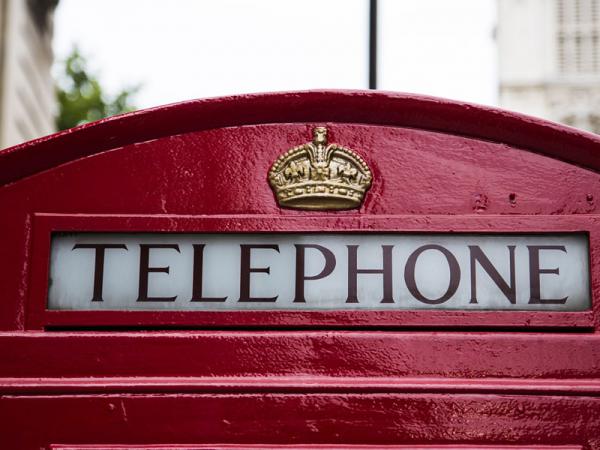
[338,360]
[364,107]
[39,317]
[460,379]
[274,419]
[318,447]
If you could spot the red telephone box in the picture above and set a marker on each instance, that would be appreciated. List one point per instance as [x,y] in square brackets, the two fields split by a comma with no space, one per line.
[333,269]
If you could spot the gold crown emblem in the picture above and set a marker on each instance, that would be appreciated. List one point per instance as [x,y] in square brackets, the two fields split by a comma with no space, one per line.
[318,175]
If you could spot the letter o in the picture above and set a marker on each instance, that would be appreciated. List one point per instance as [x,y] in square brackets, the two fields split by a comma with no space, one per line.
[409,274]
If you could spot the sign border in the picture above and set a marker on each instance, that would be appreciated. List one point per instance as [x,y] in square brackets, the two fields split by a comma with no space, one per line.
[38,317]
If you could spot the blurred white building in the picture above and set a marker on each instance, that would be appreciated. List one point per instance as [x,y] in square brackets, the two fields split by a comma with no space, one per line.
[27,100]
[549,59]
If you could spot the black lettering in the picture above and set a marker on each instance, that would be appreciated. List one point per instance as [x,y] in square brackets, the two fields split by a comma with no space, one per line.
[99,265]
[535,272]
[145,270]
[301,276]
[477,256]
[386,271]
[246,270]
[198,275]
[409,274]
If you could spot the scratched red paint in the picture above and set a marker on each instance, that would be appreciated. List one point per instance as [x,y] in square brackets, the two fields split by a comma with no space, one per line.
[413,379]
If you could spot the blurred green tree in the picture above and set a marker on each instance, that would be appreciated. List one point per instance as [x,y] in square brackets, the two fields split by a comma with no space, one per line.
[82,99]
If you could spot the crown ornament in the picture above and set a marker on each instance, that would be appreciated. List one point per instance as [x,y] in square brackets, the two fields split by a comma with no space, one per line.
[320,176]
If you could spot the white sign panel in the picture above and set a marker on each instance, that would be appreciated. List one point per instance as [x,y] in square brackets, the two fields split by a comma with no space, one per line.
[111,271]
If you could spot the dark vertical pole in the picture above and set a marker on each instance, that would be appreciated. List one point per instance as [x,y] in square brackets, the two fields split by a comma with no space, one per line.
[372,44]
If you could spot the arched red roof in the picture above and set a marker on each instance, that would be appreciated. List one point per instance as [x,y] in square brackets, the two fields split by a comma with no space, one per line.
[365,107]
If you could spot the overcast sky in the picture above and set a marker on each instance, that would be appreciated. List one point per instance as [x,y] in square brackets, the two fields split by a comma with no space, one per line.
[184,49]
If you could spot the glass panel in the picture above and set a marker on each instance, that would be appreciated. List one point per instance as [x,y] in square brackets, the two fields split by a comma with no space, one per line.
[90,271]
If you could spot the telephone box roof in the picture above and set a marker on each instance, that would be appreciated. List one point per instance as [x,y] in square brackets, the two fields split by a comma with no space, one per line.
[327,106]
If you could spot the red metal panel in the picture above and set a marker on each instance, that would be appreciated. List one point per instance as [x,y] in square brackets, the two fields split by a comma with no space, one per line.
[417,173]
[321,447]
[227,354]
[308,418]
[364,107]
[521,379]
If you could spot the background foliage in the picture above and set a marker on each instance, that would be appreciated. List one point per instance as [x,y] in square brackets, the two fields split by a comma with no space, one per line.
[82,99]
